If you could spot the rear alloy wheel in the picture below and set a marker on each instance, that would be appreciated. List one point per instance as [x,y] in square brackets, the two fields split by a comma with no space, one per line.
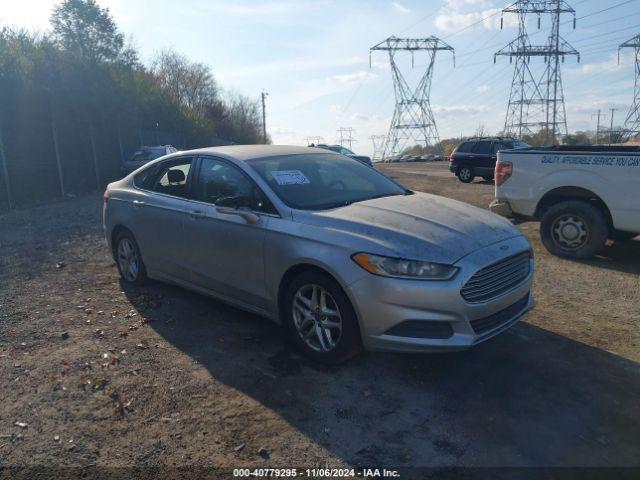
[574,229]
[320,320]
[465,174]
[129,260]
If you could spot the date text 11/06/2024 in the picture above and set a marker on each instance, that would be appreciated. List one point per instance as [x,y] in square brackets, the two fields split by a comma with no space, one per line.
[316,472]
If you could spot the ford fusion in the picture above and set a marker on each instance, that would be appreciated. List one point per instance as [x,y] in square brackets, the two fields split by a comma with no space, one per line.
[341,255]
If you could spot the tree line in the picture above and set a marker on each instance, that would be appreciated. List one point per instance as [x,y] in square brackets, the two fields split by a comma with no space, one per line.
[77,100]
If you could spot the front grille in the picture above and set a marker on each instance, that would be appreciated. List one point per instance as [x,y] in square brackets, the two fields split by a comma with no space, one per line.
[421,329]
[498,319]
[497,278]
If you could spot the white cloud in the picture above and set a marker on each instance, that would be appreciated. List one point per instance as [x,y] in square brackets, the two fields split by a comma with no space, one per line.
[293,65]
[457,110]
[360,117]
[401,8]
[351,78]
[483,88]
[456,15]
[609,65]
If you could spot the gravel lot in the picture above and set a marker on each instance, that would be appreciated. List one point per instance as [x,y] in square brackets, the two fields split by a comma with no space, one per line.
[96,374]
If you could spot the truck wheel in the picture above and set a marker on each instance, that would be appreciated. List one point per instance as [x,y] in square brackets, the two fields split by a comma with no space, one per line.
[620,236]
[574,229]
[465,174]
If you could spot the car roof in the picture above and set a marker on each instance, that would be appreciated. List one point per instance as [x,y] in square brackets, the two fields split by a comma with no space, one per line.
[252,152]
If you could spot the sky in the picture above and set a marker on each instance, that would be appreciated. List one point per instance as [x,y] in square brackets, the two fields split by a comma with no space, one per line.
[312,57]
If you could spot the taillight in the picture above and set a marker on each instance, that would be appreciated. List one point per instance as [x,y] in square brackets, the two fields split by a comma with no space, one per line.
[502,172]
[452,157]
[105,196]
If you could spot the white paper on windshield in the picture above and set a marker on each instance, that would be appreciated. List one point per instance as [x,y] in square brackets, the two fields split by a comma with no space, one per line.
[289,177]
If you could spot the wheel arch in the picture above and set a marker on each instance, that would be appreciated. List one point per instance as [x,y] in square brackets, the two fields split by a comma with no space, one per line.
[115,231]
[565,193]
[299,268]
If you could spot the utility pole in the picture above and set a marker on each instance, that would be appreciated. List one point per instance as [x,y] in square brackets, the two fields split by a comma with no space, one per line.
[598,115]
[413,122]
[345,135]
[611,129]
[632,122]
[537,102]
[264,116]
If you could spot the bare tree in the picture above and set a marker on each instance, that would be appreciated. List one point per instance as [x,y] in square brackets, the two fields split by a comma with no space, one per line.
[191,84]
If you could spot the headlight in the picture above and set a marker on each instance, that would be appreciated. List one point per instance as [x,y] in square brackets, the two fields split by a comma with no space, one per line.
[401,268]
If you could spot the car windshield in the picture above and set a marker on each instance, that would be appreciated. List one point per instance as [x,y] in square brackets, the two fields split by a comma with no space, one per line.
[323,181]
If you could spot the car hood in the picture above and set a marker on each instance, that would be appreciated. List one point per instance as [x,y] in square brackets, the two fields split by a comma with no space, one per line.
[418,226]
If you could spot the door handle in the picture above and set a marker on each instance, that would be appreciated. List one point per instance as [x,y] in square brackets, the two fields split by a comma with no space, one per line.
[138,203]
[196,214]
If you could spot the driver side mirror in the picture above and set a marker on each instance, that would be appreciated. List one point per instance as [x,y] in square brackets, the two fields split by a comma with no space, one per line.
[236,206]
[230,202]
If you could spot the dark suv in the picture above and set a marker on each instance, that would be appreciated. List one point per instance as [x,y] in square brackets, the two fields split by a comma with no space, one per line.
[477,157]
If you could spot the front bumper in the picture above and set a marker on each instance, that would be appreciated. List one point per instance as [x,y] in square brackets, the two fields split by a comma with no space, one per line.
[384,303]
[501,207]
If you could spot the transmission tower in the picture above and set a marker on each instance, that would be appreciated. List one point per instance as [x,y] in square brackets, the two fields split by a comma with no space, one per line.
[345,136]
[537,103]
[413,122]
[378,145]
[632,122]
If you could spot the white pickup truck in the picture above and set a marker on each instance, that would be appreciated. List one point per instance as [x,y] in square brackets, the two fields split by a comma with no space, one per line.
[582,195]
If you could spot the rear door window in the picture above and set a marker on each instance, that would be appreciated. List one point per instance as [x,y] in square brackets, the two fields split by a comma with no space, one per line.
[464,147]
[482,148]
[171,177]
[502,146]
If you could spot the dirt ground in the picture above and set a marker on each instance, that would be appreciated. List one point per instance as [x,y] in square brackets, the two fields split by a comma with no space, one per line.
[94,374]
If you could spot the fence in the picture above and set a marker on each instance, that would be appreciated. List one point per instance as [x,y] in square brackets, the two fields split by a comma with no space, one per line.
[66,156]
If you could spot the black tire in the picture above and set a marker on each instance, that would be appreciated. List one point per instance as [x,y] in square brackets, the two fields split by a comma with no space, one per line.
[140,278]
[466,174]
[620,236]
[564,219]
[488,178]
[348,343]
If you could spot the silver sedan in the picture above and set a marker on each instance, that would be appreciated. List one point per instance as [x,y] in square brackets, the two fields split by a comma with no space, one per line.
[343,256]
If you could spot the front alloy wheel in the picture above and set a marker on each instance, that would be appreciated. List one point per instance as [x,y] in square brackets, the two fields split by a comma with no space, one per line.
[319,318]
[316,317]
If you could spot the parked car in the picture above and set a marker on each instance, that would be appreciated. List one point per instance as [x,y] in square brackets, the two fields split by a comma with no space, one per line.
[144,155]
[345,151]
[582,195]
[477,157]
[339,253]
